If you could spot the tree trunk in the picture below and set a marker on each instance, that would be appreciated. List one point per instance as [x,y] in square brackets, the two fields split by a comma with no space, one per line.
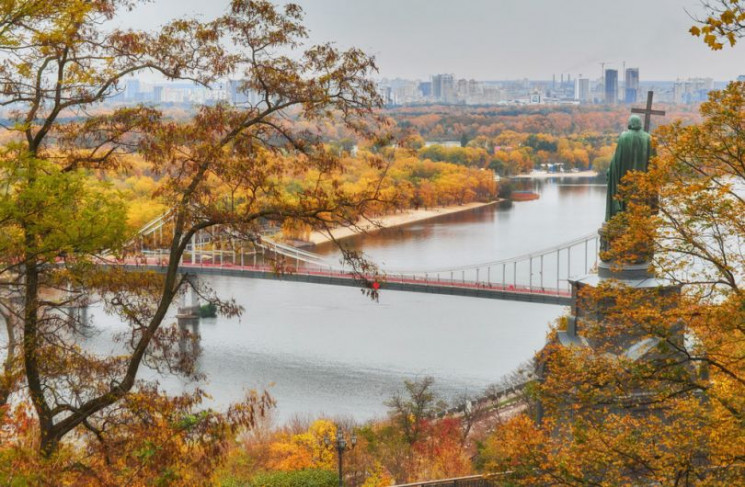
[30,352]
[9,374]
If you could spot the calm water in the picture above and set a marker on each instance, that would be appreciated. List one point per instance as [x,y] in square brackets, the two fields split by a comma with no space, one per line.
[326,349]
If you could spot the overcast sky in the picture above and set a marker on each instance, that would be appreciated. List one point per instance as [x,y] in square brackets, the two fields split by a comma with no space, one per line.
[502,39]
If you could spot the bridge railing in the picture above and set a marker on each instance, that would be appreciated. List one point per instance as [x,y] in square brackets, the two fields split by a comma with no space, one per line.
[544,271]
[225,259]
[506,280]
[509,279]
[511,285]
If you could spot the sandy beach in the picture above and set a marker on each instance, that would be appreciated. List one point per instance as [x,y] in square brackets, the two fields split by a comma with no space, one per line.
[546,175]
[398,219]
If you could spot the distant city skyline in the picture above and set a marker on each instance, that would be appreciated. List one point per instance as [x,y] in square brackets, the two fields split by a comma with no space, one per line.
[500,39]
[446,88]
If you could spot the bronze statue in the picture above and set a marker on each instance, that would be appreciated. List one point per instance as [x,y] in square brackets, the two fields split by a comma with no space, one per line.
[632,154]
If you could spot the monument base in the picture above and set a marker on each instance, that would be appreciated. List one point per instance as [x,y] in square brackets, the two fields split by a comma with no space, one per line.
[628,272]
[635,275]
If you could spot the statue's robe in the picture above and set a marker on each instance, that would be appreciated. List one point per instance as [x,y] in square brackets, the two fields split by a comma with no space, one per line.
[632,154]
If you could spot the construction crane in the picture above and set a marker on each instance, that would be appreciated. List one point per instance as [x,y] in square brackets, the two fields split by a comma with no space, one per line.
[602,69]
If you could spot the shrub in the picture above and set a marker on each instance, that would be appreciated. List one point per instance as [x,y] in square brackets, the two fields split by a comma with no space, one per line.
[297,478]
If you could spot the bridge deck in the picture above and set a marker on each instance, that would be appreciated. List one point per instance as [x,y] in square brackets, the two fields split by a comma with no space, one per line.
[411,284]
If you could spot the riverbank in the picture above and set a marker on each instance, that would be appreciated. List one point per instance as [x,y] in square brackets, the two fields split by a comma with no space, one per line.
[546,175]
[395,220]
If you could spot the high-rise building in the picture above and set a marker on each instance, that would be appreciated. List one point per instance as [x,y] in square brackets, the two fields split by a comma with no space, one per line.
[611,86]
[443,87]
[426,88]
[386,94]
[461,89]
[406,92]
[132,89]
[631,83]
[474,87]
[236,92]
[692,90]
[582,90]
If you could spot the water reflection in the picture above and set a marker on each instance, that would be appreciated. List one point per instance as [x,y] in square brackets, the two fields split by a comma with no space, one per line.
[566,210]
[330,350]
[426,230]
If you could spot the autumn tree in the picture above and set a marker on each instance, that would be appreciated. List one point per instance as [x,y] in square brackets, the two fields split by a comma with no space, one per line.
[225,167]
[305,450]
[472,410]
[416,443]
[669,410]
[411,409]
[724,23]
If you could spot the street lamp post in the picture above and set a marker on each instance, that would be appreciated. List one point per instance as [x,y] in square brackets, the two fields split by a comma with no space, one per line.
[340,443]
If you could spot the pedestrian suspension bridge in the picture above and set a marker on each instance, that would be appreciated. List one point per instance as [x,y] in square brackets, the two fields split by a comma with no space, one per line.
[541,276]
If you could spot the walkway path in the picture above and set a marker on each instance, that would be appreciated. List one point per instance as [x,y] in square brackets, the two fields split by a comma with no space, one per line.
[394,283]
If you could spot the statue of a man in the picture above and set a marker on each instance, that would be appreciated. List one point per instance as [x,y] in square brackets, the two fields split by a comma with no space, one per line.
[632,154]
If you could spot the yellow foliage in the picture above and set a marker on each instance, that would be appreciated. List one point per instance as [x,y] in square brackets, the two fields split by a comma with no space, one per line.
[725,22]
[676,411]
[378,477]
[304,450]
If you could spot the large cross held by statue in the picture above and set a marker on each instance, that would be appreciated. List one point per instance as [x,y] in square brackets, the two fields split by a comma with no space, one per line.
[648,112]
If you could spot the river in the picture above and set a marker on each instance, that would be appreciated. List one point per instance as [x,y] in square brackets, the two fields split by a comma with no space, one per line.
[330,350]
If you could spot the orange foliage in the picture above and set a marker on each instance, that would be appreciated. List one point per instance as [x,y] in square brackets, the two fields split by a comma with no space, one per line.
[670,411]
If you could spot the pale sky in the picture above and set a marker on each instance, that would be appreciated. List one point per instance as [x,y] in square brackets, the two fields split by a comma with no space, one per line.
[502,39]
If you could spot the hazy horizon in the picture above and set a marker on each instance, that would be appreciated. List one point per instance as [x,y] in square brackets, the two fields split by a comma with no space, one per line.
[500,39]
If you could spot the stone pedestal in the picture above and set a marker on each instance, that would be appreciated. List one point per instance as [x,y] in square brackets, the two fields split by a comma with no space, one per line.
[635,275]
[631,342]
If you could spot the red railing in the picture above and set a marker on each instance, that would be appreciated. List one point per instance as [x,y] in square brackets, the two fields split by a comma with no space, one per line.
[152,262]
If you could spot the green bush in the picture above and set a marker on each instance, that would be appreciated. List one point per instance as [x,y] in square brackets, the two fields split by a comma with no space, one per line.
[298,478]
[208,310]
[505,188]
